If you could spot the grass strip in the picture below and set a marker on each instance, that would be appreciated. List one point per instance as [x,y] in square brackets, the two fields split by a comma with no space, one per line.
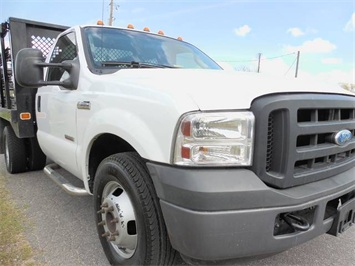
[14,247]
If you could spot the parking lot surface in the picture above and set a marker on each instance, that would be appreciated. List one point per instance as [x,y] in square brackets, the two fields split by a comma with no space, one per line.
[62,231]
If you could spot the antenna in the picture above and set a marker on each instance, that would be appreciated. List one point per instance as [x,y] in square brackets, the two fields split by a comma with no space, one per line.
[102,10]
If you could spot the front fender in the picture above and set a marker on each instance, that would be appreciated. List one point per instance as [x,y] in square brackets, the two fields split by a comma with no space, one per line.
[150,136]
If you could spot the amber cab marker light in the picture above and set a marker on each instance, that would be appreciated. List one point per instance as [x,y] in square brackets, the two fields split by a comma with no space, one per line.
[25,116]
[161,32]
[179,38]
[100,23]
[130,26]
[146,29]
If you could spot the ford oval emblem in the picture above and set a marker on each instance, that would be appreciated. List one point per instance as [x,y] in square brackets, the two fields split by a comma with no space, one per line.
[342,137]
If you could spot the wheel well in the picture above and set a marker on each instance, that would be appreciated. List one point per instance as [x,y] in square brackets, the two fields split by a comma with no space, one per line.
[104,146]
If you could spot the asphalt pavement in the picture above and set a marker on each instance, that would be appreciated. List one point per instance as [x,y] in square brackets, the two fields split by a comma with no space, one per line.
[62,231]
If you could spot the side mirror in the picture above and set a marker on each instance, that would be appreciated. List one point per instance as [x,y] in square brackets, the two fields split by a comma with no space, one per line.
[29,70]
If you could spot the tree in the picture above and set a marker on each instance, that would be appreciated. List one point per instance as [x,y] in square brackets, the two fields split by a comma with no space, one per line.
[348,86]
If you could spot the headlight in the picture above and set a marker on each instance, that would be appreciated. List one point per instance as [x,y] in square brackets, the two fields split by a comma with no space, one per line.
[215,139]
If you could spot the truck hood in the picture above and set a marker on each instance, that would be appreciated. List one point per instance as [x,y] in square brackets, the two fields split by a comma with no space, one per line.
[218,89]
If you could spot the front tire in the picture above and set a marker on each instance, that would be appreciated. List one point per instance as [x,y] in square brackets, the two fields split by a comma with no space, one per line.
[15,152]
[130,222]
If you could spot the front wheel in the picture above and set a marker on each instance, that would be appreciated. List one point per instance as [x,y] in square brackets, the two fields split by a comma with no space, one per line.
[130,222]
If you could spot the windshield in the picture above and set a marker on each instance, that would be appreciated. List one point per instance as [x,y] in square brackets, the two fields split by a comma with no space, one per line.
[119,48]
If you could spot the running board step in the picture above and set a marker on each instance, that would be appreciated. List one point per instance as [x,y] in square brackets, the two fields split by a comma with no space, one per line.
[50,171]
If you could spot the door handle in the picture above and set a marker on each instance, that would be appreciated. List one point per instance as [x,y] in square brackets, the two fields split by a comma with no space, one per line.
[84,105]
[39,103]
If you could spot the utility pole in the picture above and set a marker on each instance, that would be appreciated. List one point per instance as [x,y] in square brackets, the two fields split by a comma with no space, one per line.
[259,58]
[297,63]
[111,13]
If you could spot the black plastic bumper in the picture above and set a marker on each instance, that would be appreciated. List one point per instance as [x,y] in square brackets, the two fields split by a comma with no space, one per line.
[217,214]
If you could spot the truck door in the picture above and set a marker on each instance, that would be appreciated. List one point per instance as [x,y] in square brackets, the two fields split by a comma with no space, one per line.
[56,109]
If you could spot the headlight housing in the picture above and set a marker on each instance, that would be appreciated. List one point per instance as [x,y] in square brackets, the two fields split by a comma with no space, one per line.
[215,139]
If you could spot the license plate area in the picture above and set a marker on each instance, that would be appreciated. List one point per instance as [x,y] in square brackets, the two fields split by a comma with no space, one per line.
[344,218]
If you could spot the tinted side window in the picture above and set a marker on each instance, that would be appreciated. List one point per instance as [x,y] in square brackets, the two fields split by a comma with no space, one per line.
[65,49]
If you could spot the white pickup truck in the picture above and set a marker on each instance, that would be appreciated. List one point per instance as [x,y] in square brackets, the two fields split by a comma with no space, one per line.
[182,157]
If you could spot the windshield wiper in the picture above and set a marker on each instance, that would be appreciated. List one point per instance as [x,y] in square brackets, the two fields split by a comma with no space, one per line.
[146,64]
[135,64]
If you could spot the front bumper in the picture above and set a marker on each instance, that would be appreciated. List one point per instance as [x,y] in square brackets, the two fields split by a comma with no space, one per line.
[219,214]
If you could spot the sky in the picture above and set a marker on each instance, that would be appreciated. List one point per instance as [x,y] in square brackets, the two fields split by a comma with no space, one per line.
[232,32]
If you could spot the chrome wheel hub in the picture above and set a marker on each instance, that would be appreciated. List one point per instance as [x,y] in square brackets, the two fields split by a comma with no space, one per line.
[118,219]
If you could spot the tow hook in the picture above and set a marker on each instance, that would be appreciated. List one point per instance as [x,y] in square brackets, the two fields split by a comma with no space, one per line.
[296,222]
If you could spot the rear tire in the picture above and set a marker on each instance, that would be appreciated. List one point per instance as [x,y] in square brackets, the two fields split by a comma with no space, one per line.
[15,152]
[36,159]
[130,223]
